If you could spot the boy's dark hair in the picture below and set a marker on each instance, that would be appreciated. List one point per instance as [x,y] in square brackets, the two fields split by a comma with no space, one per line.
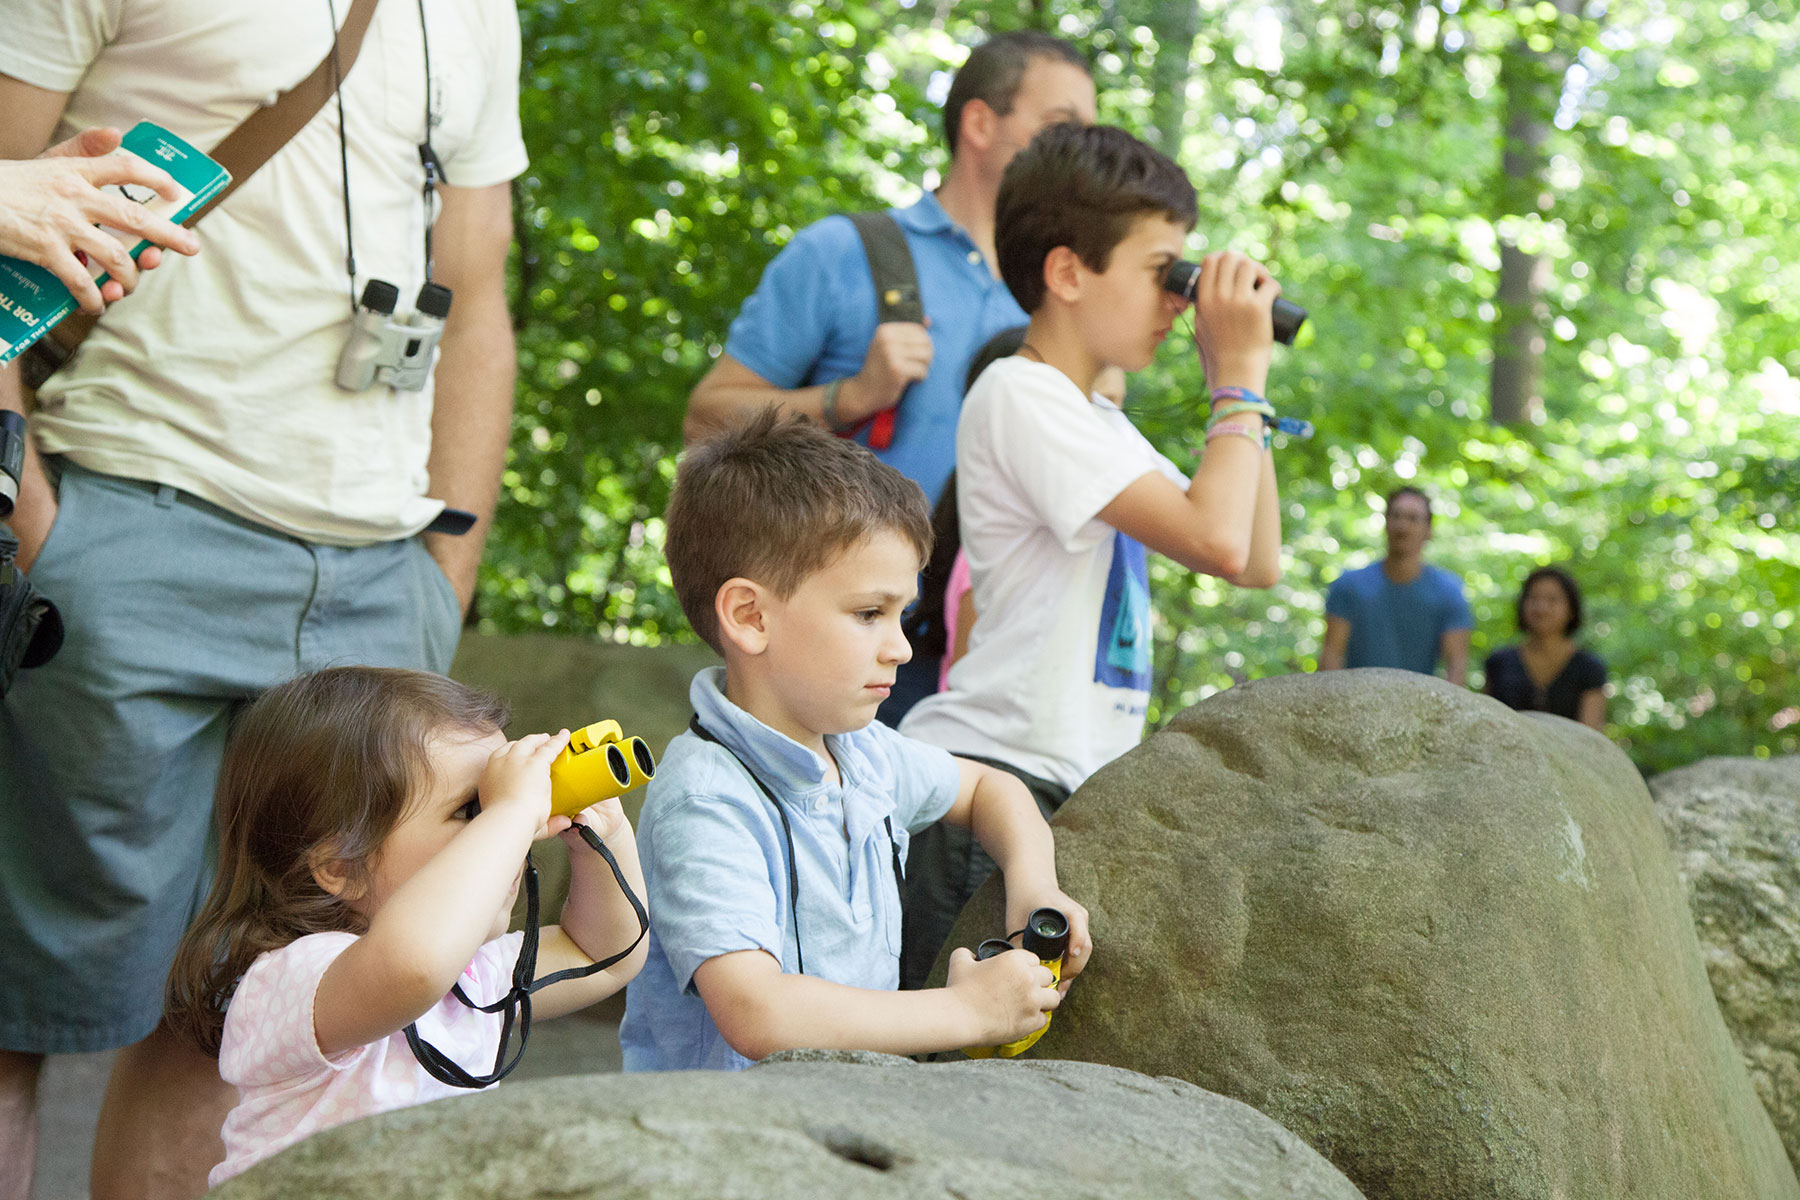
[1080,186]
[774,500]
[1569,589]
[994,70]
[1410,490]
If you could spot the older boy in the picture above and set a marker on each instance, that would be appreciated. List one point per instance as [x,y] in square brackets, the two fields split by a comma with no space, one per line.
[1060,494]
[775,831]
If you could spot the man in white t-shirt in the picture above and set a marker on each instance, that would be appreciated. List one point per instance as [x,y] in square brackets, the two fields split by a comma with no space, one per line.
[1060,495]
[211,511]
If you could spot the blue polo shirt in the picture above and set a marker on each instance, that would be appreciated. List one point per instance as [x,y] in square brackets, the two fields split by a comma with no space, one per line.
[715,862]
[812,317]
[1398,624]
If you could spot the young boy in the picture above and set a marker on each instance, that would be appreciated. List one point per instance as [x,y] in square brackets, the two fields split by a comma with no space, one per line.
[1059,493]
[775,830]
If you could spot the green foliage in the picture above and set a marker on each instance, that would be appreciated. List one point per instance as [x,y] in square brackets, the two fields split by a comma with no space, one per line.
[1354,147]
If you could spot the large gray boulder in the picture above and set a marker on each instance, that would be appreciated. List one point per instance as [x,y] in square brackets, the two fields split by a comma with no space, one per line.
[834,1126]
[1440,940]
[1734,824]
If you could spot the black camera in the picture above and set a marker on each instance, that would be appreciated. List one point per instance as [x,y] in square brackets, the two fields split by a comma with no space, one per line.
[31,630]
[1183,277]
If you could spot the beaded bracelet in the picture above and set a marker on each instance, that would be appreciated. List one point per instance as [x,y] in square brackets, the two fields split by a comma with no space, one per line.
[1231,392]
[1238,428]
[1233,408]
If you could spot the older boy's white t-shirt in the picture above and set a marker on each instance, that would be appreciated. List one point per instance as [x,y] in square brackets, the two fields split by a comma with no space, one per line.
[215,376]
[1057,676]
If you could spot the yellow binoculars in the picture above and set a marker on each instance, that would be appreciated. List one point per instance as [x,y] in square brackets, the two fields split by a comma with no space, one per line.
[599,762]
[1047,936]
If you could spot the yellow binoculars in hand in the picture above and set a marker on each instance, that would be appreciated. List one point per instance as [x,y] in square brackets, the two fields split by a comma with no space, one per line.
[1047,936]
[599,762]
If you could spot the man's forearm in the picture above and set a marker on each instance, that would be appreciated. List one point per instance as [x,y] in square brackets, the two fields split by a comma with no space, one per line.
[1455,649]
[724,397]
[471,422]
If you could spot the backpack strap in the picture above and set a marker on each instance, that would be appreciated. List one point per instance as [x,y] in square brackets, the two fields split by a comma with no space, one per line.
[896,295]
[242,152]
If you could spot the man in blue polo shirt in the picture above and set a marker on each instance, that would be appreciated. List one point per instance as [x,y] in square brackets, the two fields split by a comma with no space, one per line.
[808,339]
[1400,612]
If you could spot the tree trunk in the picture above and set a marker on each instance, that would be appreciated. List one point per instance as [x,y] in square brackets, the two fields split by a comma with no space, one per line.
[1531,81]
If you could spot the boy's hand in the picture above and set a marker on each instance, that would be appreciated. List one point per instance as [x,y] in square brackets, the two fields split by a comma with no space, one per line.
[1007,995]
[899,355]
[517,781]
[1081,943]
[1233,328]
[606,818]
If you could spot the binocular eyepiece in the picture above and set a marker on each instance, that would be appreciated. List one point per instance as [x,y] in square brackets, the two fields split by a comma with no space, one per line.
[599,762]
[1046,935]
[1183,278]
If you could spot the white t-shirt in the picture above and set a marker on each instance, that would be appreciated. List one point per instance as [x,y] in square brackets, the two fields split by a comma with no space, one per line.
[215,376]
[288,1090]
[1057,676]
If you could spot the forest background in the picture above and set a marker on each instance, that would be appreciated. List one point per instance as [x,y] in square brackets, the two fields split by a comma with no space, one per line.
[1551,252]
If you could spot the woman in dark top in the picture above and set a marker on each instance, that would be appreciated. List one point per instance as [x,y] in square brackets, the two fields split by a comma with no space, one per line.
[1549,672]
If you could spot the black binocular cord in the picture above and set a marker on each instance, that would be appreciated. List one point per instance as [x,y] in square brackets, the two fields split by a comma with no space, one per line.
[704,734]
[428,157]
[445,1069]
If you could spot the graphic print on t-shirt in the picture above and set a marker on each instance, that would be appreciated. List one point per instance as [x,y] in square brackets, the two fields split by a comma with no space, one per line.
[1122,651]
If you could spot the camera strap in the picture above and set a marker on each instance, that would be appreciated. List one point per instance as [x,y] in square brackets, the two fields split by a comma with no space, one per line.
[242,152]
[515,1006]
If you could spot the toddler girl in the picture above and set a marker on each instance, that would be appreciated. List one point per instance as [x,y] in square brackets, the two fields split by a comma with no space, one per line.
[373,824]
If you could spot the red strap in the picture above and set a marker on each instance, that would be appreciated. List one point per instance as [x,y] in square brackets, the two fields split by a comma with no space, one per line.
[881,429]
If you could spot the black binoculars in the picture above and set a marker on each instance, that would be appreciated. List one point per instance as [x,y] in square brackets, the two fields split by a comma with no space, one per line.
[1183,277]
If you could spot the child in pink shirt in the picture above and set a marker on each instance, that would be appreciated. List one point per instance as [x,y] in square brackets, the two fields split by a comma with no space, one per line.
[372,826]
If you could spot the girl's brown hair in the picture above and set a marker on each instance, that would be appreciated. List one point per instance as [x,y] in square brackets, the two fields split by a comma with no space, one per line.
[319,769]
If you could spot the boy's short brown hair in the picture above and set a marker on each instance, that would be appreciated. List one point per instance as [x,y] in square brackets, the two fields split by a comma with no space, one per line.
[775,500]
[1080,186]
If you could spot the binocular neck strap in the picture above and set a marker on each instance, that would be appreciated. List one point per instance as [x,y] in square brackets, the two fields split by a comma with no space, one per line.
[516,1004]
[700,731]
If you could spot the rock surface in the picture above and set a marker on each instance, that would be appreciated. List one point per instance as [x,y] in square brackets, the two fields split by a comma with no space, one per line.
[839,1127]
[1734,825]
[1440,940]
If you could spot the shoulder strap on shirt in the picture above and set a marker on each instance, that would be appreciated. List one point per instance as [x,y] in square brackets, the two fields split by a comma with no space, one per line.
[242,152]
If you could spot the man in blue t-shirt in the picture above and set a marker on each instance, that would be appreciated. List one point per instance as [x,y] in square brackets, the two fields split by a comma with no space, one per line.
[807,338]
[1400,612]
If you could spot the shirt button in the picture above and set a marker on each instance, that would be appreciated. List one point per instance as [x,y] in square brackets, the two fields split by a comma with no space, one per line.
[974,256]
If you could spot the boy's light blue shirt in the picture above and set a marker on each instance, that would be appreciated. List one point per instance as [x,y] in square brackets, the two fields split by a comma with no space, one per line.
[715,866]
[1398,624]
[812,317]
